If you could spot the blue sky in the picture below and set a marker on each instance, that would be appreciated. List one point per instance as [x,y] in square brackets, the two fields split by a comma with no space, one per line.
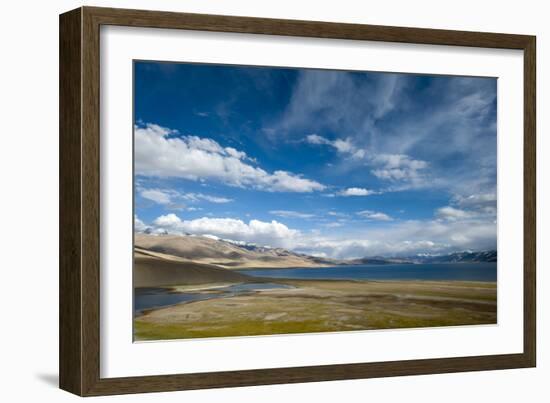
[331,163]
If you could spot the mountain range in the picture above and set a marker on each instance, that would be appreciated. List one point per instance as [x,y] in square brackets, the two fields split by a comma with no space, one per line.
[239,255]
[458,257]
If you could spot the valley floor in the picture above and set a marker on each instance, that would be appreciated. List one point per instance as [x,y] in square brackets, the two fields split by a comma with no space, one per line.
[324,306]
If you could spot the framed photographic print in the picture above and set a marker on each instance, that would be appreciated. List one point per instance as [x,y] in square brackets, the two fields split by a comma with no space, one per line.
[249,201]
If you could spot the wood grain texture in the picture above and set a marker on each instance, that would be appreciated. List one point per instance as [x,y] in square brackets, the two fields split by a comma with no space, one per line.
[80,201]
[70,275]
[530,202]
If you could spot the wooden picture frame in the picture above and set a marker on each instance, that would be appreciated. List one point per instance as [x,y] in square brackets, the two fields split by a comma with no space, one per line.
[80,199]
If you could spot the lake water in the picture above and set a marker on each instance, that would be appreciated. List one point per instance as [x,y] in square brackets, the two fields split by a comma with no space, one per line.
[156,297]
[148,298]
[443,271]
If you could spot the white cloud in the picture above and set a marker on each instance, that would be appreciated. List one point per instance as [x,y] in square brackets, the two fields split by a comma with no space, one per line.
[358,248]
[334,224]
[450,124]
[169,197]
[483,203]
[338,101]
[452,214]
[291,214]
[267,233]
[398,167]
[480,205]
[403,238]
[156,195]
[337,214]
[316,139]
[235,153]
[138,224]
[282,181]
[201,196]
[343,146]
[159,152]
[356,192]
[392,167]
[168,220]
[374,215]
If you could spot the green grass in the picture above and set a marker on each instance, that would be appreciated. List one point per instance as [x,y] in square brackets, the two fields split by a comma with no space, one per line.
[153,331]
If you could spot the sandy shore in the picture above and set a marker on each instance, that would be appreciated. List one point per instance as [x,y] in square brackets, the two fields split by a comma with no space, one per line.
[325,305]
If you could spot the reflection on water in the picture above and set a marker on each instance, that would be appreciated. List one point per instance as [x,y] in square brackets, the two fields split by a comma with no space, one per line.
[156,297]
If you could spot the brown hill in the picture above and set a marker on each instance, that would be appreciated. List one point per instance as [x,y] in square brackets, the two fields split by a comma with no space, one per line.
[152,270]
[225,254]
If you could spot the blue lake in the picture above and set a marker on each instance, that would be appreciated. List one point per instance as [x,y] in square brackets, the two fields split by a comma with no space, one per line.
[435,271]
[156,297]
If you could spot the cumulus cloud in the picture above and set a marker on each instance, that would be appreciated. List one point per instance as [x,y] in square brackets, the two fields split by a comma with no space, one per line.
[374,215]
[402,238]
[356,192]
[162,152]
[267,233]
[138,224]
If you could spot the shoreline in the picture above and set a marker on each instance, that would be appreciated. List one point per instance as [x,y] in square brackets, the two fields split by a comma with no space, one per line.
[213,286]
[337,266]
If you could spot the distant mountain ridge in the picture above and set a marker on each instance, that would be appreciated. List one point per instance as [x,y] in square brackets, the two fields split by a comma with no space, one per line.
[224,253]
[241,255]
[458,257]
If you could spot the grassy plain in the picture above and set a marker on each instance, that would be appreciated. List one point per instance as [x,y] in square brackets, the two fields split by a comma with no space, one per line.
[324,306]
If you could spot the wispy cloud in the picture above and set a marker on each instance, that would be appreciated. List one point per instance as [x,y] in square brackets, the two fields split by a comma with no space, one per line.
[474,206]
[398,167]
[344,146]
[157,195]
[391,167]
[333,149]
[173,198]
[291,214]
[356,192]
[209,198]
[452,214]
[339,101]
[374,215]
[414,132]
